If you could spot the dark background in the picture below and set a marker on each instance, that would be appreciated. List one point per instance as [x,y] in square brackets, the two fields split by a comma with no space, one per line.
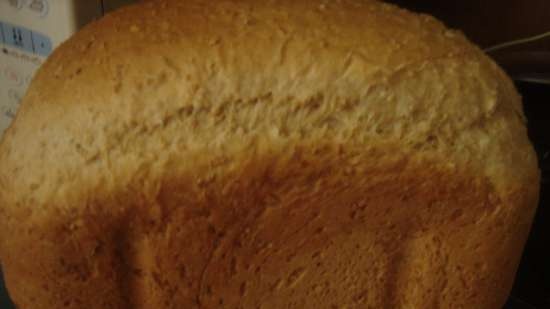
[488,22]
[533,279]
[4,301]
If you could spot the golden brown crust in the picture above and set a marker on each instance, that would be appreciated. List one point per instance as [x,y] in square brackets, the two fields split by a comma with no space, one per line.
[284,154]
[294,230]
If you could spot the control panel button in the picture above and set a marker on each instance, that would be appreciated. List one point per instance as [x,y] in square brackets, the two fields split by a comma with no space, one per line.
[18,37]
[42,44]
[13,77]
[16,3]
[40,7]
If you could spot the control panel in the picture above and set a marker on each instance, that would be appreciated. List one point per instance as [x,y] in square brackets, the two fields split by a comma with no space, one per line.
[29,32]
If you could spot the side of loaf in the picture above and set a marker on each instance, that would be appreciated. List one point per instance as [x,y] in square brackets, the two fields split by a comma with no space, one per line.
[266,154]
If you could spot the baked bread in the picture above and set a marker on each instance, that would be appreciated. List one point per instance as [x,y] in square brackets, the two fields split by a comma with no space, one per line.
[266,154]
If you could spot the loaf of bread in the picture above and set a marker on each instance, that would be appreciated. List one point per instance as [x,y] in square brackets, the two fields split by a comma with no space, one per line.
[266,154]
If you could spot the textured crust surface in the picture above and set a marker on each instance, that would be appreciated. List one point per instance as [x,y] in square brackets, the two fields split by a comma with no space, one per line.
[266,154]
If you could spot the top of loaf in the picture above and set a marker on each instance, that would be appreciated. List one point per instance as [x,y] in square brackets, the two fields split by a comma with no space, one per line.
[169,85]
